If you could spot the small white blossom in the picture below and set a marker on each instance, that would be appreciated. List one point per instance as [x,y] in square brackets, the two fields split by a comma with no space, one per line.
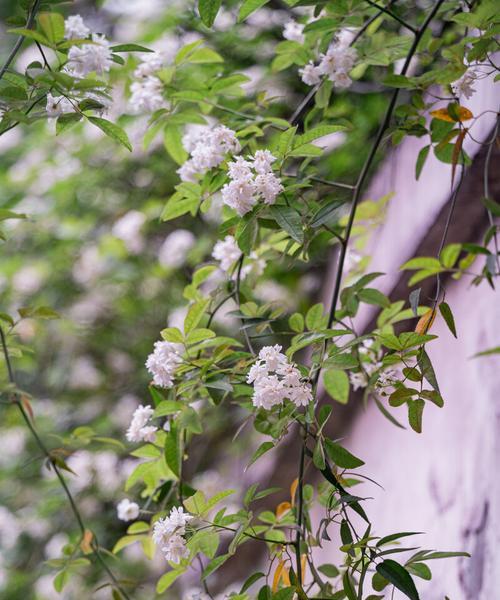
[127,511]
[310,74]
[275,379]
[463,86]
[227,252]
[294,31]
[88,58]
[128,229]
[146,95]
[139,430]
[247,187]
[149,65]
[163,362]
[75,28]
[175,549]
[208,148]
[195,594]
[358,380]
[174,249]
[56,106]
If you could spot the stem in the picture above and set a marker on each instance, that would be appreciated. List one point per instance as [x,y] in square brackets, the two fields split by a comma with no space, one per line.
[238,301]
[18,401]
[393,15]
[29,24]
[487,190]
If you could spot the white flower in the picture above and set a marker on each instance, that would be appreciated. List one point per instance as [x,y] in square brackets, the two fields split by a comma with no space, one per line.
[341,79]
[227,252]
[89,58]
[246,188]
[28,280]
[75,28]
[56,106]
[128,228]
[146,95]
[294,31]
[175,549]
[386,378]
[262,161]
[127,511]
[275,379]
[89,266]
[336,64]
[151,63]
[195,594]
[358,380]
[463,86]
[84,374]
[177,244]
[208,149]
[163,362]
[139,430]
[310,74]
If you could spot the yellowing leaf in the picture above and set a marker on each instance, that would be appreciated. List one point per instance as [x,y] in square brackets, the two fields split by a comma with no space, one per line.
[277,575]
[303,563]
[282,508]
[86,543]
[293,490]
[285,577]
[464,114]
[425,322]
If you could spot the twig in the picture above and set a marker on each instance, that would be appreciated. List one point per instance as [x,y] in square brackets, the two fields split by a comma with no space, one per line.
[393,15]
[18,402]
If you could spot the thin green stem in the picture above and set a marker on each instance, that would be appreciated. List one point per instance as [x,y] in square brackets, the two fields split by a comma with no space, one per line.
[394,16]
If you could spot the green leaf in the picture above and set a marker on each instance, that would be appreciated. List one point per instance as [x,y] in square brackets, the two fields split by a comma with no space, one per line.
[348,587]
[248,7]
[205,55]
[447,315]
[336,383]
[31,34]
[314,317]
[450,254]
[178,206]
[172,139]
[214,564]
[250,581]
[342,457]
[316,133]
[66,121]
[422,262]
[112,130]
[319,456]
[373,296]
[172,451]
[296,322]
[208,10]
[289,219]
[168,407]
[130,48]
[492,206]
[415,412]
[262,449]
[195,314]
[399,577]
[422,157]
[198,335]
[168,579]
[420,570]
[488,352]
[52,25]
[172,334]
[329,570]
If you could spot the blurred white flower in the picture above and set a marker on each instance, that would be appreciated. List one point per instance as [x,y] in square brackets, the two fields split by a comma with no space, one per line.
[28,280]
[84,374]
[13,443]
[10,528]
[463,86]
[56,106]
[147,95]
[89,266]
[75,28]
[88,58]
[294,31]
[128,229]
[54,547]
[173,252]
[126,510]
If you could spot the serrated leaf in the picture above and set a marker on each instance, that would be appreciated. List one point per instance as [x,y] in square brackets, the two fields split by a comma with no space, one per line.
[112,130]
[208,10]
[248,7]
[289,219]
[336,383]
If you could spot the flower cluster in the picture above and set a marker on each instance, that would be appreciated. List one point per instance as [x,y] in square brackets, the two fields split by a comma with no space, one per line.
[227,252]
[57,105]
[90,58]
[75,28]
[207,148]
[126,510]
[275,379]
[139,430]
[294,32]
[163,362]
[147,90]
[463,86]
[250,181]
[168,532]
[335,65]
